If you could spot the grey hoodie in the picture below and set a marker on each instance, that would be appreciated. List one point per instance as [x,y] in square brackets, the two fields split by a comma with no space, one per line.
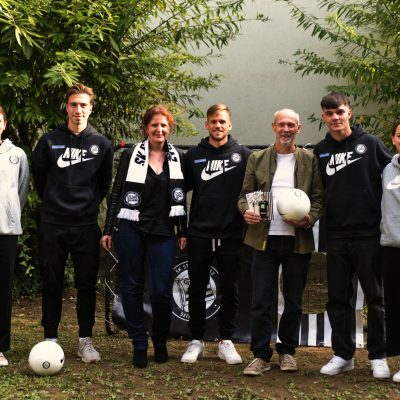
[14,185]
[390,225]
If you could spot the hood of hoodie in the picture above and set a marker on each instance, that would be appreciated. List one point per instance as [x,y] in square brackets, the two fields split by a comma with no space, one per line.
[5,146]
[396,161]
[356,132]
[86,132]
[225,148]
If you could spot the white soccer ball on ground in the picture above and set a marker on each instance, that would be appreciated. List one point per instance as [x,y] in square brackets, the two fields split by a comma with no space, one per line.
[293,204]
[46,358]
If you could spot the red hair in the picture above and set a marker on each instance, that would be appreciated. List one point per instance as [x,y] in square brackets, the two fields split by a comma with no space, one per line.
[158,110]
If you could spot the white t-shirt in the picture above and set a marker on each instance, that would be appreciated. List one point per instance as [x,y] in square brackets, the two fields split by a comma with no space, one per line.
[283,179]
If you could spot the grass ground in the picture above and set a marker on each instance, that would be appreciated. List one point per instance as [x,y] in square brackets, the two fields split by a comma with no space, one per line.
[210,378]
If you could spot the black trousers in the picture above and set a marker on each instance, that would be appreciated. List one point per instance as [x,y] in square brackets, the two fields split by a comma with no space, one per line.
[201,253]
[346,257]
[8,255]
[391,280]
[56,242]
[265,274]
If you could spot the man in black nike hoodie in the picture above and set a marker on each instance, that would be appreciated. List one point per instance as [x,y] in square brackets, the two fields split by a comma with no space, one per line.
[71,168]
[352,162]
[214,171]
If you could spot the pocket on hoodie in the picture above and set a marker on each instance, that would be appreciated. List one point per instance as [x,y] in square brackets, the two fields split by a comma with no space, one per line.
[71,199]
[352,209]
[211,212]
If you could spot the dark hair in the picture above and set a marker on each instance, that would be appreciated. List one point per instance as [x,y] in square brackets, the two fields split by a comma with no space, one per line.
[3,113]
[396,124]
[218,107]
[79,88]
[335,100]
[158,110]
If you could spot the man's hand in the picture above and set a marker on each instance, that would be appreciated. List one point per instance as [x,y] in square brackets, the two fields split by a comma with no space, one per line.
[303,223]
[251,217]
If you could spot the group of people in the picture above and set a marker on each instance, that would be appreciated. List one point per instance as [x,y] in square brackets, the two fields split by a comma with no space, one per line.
[349,178]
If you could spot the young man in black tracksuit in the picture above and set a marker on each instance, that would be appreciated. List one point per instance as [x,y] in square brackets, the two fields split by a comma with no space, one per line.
[71,169]
[352,162]
[214,171]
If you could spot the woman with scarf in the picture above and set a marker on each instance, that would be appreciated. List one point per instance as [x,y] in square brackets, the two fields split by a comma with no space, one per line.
[14,185]
[390,241]
[146,210]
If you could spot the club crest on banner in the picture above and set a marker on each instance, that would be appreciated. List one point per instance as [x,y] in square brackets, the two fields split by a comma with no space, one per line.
[180,292]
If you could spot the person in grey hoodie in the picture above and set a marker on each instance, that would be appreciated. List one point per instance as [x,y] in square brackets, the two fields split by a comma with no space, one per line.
[390,241]
[14,184]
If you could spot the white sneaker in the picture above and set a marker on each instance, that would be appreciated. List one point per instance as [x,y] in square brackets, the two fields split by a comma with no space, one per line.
[227,352]
[3,361]
[380,369]
[194,350]
[337,365]
[86,350]
[396,377]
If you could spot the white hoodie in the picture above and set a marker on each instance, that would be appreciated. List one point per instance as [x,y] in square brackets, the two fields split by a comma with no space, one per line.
[14,185]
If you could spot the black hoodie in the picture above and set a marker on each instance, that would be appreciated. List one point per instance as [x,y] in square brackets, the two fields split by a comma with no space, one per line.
[72,174]
[216,176]
[351,171]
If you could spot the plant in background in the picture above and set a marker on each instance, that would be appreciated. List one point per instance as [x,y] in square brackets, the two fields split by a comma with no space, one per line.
[365,39]
[133,53]
[27,277]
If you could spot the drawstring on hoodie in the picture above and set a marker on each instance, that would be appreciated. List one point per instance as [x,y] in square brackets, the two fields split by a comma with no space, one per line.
[215,242]
[81,150]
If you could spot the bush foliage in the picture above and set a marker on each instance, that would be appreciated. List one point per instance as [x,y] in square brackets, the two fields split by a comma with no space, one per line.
[133,53]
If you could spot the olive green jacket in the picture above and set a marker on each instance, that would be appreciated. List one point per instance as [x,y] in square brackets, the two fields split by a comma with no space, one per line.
[260,170]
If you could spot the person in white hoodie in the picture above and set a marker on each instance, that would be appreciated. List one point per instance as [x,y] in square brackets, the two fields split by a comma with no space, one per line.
[390,241]
[14,184]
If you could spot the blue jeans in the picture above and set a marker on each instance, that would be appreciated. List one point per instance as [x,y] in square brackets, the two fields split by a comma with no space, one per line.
[137,250]
[265,273]
[346,257]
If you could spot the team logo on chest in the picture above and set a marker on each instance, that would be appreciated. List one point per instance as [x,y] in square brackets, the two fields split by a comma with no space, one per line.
[94,149]
[14,160]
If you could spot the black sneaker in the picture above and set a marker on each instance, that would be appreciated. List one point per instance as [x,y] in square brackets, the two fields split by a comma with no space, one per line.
[140,358]
[161,354]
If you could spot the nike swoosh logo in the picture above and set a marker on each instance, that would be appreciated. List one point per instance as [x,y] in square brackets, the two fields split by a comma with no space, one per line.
[66,163]
[394,184]
[207,177]
[330,171]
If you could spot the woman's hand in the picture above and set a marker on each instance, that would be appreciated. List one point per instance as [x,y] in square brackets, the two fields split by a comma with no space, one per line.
[106,242]
[182,242]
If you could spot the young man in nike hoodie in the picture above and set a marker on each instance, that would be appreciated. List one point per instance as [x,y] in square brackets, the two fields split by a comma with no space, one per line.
[71,168]
[352,162]
[214,171]
[14,185]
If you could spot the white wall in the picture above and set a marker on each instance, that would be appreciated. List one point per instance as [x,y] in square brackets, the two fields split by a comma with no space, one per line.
[255,85]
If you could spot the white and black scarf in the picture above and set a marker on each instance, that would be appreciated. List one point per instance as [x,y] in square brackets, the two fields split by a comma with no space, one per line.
[136,177]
